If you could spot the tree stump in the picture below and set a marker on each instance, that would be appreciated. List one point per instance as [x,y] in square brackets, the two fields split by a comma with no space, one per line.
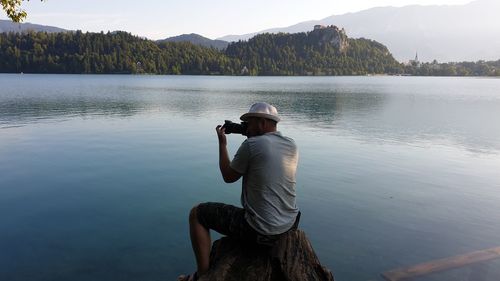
[291,259]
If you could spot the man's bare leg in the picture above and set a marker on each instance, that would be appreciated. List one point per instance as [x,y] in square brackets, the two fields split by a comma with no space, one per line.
[201,242]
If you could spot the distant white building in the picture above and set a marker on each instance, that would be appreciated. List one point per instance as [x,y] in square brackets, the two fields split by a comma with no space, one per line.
[415,62]
[244,71]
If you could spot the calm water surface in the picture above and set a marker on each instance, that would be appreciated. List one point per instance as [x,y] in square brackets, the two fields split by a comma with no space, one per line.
[98,173]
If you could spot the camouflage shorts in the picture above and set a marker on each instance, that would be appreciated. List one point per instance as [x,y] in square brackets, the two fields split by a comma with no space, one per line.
[230,221]
[225,219]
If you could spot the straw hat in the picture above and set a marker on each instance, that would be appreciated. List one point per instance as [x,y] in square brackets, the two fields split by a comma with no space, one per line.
[262,110]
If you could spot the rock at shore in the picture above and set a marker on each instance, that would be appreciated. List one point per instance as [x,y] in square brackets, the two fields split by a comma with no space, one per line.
[291,259]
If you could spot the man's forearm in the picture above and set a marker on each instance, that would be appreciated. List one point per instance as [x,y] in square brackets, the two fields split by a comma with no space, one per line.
[228,174]
[223,159]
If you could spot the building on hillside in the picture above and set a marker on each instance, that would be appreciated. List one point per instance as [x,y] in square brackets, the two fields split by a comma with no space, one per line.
[244,71]
[415,62]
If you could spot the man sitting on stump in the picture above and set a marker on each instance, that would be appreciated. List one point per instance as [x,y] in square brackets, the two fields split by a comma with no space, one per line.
[267,160]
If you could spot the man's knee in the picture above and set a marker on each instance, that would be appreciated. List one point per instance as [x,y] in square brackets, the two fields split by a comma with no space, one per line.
[193,215]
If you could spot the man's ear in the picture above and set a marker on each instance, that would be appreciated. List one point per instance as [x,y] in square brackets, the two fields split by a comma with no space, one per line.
[262,122]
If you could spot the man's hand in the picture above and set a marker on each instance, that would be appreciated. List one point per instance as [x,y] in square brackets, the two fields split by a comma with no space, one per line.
[221,135]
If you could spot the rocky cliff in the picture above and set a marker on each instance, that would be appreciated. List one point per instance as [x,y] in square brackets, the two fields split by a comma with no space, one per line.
[331,35]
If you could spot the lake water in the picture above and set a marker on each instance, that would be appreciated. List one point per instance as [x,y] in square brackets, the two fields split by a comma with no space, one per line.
[98,173]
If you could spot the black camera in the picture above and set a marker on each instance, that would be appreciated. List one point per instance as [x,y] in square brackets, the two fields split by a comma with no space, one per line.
[235,128]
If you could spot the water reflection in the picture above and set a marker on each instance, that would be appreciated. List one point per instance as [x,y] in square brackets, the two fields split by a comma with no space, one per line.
[32,111]
[329,109]
[463,112]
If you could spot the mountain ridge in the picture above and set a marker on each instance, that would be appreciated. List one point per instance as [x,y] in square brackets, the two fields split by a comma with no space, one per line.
[197,40]
[446,33]
[9,26]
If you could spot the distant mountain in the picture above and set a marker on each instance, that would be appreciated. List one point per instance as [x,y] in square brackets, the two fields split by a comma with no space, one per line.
[467,32]
[197,40]
[9,26]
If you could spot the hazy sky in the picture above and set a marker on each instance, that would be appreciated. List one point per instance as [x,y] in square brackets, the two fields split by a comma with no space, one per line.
[158,19]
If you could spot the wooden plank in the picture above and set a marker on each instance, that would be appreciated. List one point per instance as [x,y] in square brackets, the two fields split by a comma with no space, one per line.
[441,264]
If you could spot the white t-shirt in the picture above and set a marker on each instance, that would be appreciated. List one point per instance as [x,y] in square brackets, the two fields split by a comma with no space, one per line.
[268,164]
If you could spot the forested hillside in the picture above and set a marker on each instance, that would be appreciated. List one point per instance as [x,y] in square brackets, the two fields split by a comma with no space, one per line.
[120,52]
[117,52]
[310,54]
[326,51]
